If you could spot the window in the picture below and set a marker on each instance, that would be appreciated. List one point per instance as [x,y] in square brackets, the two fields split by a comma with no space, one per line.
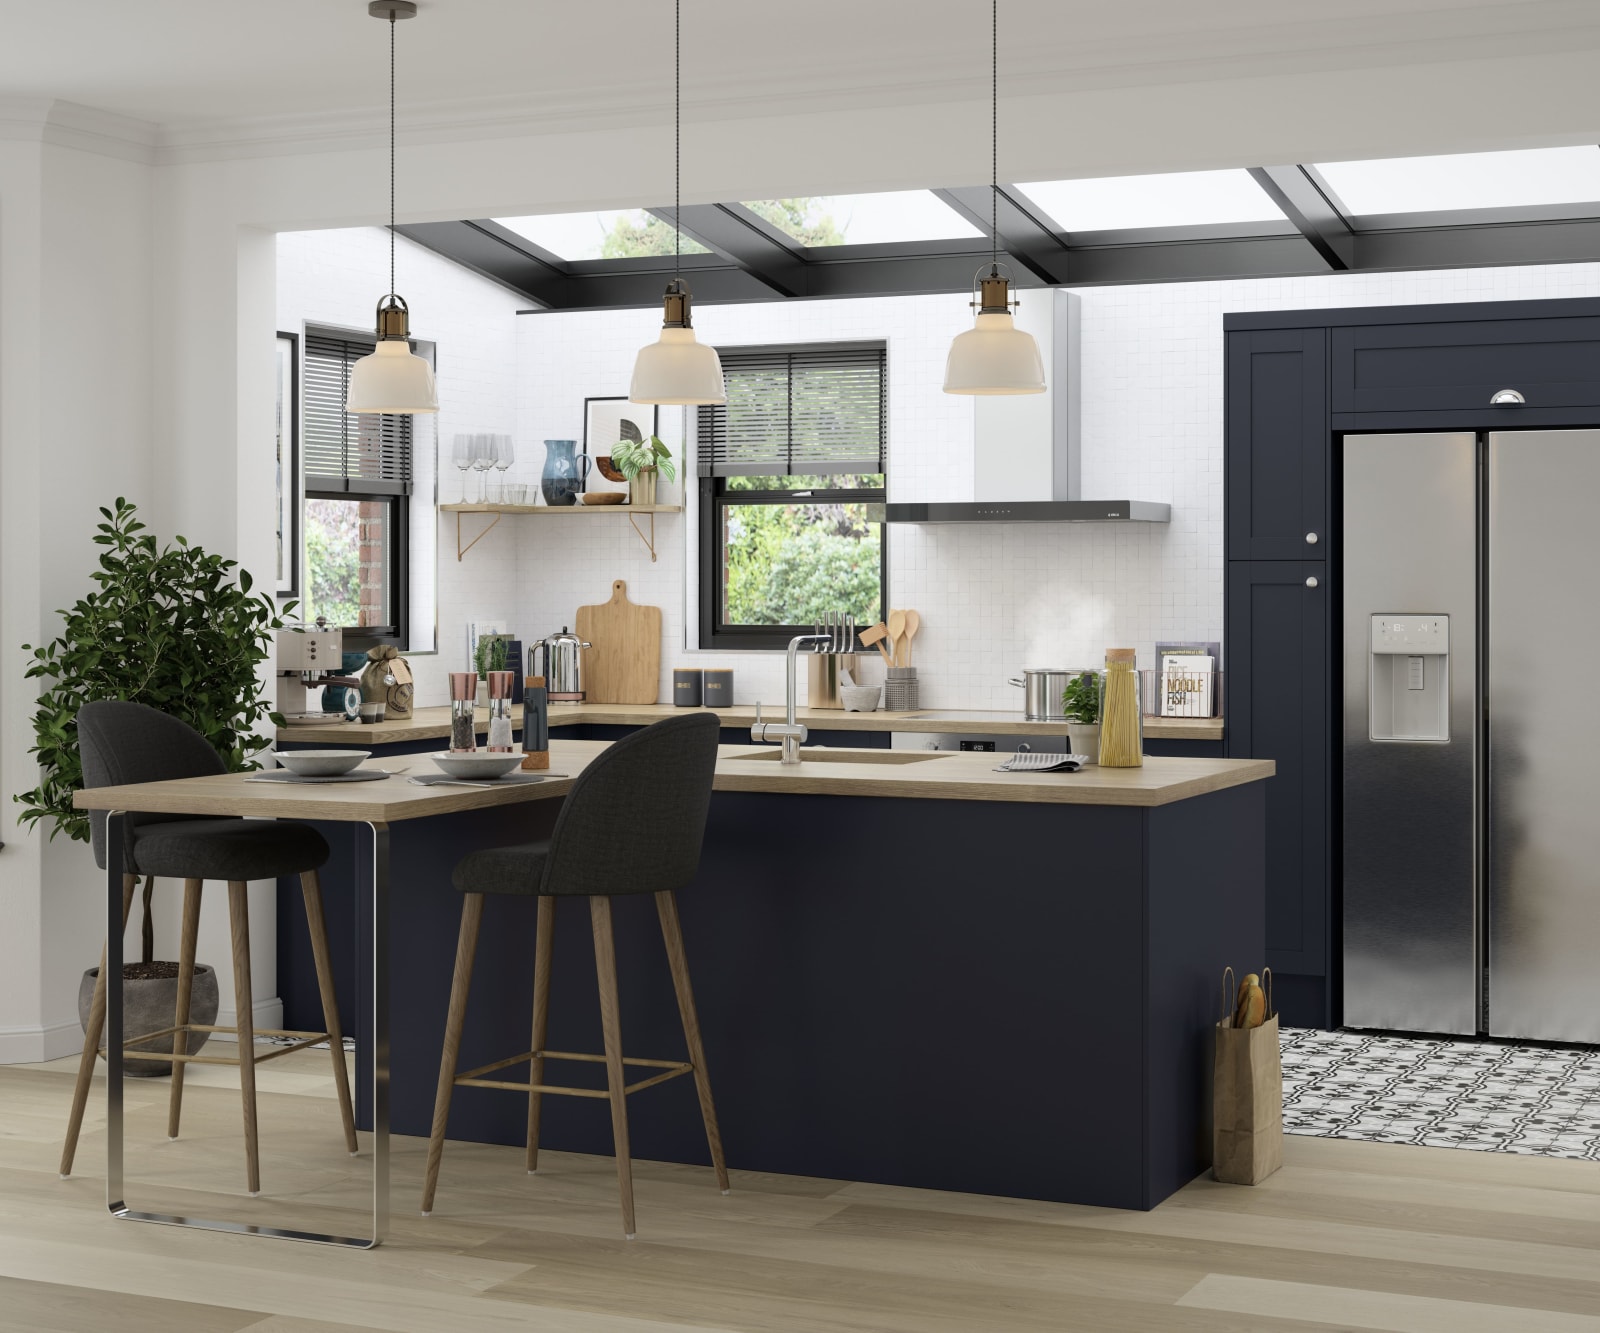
[864,219]
[1170,199]
[357,484]
[1510,179]
[792,489]
[618,234]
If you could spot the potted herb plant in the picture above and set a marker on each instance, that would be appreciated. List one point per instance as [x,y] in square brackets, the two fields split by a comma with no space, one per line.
[640,461]
[1080,701]
[177,629]
[490,655]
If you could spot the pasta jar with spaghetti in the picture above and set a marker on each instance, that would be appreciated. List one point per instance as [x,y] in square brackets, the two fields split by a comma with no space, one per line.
[1121,725]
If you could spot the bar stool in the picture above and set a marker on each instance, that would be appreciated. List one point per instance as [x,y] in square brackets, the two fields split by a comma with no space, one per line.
[123,743]
[655,850]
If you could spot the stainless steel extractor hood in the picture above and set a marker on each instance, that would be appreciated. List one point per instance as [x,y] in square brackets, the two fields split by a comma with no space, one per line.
[1025,449]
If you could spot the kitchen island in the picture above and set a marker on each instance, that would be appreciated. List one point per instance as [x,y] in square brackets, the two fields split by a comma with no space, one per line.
[910,969]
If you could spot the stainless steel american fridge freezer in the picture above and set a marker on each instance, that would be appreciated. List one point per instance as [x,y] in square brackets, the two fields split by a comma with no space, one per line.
[1471,828]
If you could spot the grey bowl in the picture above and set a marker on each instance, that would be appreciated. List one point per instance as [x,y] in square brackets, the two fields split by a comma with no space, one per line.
[860,698]
[322,763]
[477,765]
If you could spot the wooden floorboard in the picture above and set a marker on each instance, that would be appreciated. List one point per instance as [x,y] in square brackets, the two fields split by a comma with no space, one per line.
[1348,1235]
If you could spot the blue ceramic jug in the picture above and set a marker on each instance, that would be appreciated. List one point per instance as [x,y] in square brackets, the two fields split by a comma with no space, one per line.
[562,478]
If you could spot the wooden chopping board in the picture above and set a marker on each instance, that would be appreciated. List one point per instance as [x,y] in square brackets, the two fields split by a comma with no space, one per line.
[624,664]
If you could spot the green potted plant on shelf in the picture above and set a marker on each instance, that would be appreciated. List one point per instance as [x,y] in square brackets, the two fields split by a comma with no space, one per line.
[1080,701]
[640,461]
[490,655]
[177,629]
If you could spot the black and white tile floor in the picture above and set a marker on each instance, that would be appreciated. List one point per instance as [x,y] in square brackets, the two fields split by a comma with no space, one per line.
[1447,1094]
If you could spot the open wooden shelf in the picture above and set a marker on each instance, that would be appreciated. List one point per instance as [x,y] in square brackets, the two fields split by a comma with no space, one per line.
[568,511]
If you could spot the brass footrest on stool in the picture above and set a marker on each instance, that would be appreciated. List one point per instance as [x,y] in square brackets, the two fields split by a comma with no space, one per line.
[306,1039]
[470,1079]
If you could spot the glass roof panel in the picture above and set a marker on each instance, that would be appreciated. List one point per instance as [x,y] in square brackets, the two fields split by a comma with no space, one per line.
[617,234]
[864,219]
[1467,180]
[1169,199]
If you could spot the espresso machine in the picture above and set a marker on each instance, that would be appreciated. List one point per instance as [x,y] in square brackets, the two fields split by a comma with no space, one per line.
[312,658]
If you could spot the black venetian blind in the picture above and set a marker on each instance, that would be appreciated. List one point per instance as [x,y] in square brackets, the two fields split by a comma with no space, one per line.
[816,410]
[363,453]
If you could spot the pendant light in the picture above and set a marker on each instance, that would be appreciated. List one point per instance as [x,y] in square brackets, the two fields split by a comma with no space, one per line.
[676,368]
[994,356]
[393,379]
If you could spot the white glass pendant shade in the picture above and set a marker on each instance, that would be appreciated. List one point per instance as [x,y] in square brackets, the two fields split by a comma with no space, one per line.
[392,379]
[677,368]
[994,357]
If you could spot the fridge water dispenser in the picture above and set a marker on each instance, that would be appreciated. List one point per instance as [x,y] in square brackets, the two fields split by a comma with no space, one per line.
[1409,694]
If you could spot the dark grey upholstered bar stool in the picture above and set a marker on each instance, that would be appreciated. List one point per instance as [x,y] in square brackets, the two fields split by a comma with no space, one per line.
[124,743]
[593,855]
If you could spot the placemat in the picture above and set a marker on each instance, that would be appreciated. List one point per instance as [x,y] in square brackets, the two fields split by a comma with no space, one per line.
[284,775]
[508,780]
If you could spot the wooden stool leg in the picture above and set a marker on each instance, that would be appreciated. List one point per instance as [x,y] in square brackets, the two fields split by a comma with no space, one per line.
[91,1042]
[243,999]
[460,984]
[605,965]
[311,887]
[180,1038]
[672,933]
[543,950]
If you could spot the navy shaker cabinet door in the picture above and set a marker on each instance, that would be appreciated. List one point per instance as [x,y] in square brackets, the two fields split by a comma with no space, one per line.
[1437,367]
[1277,444]
[1278,708]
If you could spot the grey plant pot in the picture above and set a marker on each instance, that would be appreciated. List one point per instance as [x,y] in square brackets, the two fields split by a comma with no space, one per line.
[150,1006]
[1084,737]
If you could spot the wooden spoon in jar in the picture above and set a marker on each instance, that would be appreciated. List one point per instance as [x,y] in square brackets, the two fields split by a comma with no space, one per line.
[897,629]
[913,624]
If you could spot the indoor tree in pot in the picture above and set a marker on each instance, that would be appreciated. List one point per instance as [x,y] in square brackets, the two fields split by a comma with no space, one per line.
[639,461]
[1080,701]
[177,629]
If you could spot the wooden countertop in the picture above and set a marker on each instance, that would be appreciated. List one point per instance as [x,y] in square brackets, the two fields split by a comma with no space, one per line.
[922,775]
[434,723]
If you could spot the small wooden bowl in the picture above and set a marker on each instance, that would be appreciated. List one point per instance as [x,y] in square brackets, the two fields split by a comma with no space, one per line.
[608,469]
[603,497]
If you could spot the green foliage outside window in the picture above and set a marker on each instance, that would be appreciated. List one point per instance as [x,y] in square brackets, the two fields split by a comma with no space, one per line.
[333,562]
[630,239]
[793,564]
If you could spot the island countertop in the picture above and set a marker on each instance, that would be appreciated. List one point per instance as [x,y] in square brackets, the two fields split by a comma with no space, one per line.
[434,723]
[914,774]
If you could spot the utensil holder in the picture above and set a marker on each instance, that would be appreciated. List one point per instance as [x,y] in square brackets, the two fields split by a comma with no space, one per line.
[900,690]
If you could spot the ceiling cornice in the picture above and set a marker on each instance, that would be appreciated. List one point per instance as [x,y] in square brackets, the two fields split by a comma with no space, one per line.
[85,128]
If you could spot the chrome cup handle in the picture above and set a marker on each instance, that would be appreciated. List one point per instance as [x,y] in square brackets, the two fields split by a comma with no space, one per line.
[1017,681]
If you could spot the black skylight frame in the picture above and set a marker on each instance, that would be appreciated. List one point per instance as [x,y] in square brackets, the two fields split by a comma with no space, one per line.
[752,260]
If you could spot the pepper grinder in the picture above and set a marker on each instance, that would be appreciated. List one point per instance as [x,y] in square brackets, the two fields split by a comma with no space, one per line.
[463,700]
[535,725]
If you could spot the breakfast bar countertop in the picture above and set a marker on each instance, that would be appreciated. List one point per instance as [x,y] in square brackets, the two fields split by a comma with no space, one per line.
[434,723]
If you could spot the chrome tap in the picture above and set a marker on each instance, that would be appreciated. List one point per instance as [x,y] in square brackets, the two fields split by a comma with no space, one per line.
[788,732]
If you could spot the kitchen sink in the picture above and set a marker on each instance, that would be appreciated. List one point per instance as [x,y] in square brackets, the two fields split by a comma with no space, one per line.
[829,755]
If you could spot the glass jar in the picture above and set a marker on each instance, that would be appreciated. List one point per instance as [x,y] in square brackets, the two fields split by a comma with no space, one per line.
[1121,722]
[463,704]
[500,712]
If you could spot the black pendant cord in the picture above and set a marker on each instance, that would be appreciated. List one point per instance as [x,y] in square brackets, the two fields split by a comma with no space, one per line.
[391,154]
[677,140]
[994,134]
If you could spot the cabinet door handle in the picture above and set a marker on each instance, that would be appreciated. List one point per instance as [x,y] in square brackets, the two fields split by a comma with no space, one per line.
[1312,581]
[1311,539]
[1506,398]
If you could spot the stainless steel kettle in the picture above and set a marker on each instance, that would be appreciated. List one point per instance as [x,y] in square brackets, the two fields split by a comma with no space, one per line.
[561,669]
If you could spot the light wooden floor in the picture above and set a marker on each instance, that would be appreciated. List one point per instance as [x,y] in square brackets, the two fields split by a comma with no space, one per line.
[1347,1236]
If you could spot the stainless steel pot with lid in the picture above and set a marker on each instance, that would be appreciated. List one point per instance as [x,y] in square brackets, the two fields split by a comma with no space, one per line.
[561,669]
[1042,690]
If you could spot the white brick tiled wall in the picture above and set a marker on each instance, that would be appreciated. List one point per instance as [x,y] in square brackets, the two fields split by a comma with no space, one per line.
[993,598]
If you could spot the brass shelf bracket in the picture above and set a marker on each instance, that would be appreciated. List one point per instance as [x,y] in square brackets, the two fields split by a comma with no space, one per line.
[650,541]
[462,550]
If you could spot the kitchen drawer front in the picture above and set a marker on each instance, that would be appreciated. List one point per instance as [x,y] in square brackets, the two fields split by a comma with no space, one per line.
[1278,708]
[1277,444]
[1552,363]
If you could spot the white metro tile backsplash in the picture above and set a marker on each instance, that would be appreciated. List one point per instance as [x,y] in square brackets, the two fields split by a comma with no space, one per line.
[994,598]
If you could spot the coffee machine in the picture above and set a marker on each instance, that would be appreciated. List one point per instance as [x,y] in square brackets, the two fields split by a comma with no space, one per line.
[312,658]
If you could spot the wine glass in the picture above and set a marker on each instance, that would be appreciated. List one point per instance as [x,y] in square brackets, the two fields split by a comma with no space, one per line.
[462,451]
[483,453]
[505,454]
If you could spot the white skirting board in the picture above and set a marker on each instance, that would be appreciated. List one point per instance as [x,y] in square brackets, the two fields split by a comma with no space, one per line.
[35,1045]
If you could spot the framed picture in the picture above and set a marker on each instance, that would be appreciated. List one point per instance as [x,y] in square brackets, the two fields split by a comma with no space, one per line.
[609,421]
[288,464]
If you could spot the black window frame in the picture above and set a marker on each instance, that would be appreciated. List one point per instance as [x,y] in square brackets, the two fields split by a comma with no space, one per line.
[359,638]
[715,497]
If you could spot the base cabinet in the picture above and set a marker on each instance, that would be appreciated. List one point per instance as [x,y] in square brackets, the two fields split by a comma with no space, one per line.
[1278,708]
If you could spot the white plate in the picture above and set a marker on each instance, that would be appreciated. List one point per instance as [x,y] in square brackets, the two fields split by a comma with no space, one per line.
[477,764]
[322,763]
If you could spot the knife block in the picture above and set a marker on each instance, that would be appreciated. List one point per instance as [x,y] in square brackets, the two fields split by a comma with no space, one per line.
[823,672]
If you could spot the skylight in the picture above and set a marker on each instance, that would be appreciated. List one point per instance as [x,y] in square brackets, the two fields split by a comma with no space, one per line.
[618,234]
[1171,199]
[1467,180]
[864,219]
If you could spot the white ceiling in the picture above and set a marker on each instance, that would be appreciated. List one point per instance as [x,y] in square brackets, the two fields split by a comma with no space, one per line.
[188,64]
